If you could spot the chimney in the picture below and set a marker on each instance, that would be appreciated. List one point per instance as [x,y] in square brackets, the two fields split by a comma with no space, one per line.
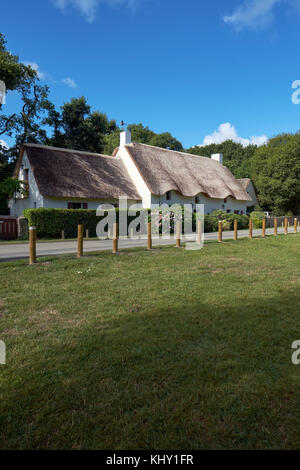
[125,138]
[218,157]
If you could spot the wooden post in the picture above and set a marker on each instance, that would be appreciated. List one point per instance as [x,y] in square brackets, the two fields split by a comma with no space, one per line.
[79,241]
[275,226]
[220,231]
[264,227]
[62,234]
[131,233]
[149,241]
[115,239]
[250,228]
[87,234]
[285,225]
[199,231]
[32,245]
[295,225]
[178,233]
[235,228]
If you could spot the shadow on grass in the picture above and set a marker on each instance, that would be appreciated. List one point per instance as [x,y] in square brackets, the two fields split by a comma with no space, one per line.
[196,376]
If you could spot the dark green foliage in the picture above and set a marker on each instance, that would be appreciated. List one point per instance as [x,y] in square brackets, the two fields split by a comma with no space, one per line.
[14,74]
[142,134]
[212,221]
[51,222]
[77,127]
[276,174]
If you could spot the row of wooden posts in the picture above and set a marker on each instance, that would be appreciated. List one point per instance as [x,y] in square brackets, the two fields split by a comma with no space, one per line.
[32,235]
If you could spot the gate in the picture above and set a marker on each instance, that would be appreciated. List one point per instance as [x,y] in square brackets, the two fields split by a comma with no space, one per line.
[8,228]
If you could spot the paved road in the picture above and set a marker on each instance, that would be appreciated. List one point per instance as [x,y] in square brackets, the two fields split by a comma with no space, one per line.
[11,252]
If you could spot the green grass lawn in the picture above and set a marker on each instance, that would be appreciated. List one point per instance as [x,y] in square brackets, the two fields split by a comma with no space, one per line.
[168,349]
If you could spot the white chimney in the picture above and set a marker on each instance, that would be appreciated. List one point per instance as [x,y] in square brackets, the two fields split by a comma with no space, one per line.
[218,157]
[125,138]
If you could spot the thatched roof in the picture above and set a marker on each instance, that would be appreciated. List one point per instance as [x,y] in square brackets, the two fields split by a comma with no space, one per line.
[165,170]
[244,182]
[71,173]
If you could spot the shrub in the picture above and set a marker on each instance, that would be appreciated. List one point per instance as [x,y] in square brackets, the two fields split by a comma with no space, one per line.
[228,220]
[50,222]
[257,218]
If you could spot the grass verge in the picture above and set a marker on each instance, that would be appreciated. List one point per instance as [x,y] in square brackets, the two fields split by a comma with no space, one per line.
[167,349]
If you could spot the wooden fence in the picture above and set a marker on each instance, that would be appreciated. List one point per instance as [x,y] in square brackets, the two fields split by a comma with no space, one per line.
[293,223]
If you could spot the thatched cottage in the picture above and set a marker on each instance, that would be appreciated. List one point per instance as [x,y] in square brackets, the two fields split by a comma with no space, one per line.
[60,178]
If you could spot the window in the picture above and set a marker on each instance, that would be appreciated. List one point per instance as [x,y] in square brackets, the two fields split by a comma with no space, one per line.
[225,200]
[78,205]
[197,199]
[236,212]
[168,195]
[228,211]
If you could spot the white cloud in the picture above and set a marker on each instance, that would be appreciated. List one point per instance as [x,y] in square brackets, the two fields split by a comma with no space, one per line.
[34,66]
[257,14]
[88,8]
[69,82]
[227,131]
[253,14]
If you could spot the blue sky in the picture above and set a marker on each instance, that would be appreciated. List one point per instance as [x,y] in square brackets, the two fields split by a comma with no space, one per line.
[203,71]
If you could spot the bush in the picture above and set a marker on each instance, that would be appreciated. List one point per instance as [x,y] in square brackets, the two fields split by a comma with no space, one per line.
[49,223]
[227,219]
[257,218]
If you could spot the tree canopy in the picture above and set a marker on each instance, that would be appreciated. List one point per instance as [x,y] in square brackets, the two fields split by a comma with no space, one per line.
[13,73]
[276,174]
[142,134]
[77,127]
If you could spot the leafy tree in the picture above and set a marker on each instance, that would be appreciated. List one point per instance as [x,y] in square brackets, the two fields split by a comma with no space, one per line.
[166,141]
[77,127]
[27,124]
[142,134]
[14,74]
[276,174]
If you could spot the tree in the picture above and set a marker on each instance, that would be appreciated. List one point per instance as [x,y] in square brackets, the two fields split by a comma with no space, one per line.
[77,127]
[142,134]
[166,141]
[276,174]
[14,74]
[27,124]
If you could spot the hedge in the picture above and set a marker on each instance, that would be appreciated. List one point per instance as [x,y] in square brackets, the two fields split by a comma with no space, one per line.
[51,222]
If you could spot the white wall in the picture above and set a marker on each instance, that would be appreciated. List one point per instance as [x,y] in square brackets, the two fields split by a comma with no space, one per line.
[135,176]
[52,203]
[209,203]
[251,191]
